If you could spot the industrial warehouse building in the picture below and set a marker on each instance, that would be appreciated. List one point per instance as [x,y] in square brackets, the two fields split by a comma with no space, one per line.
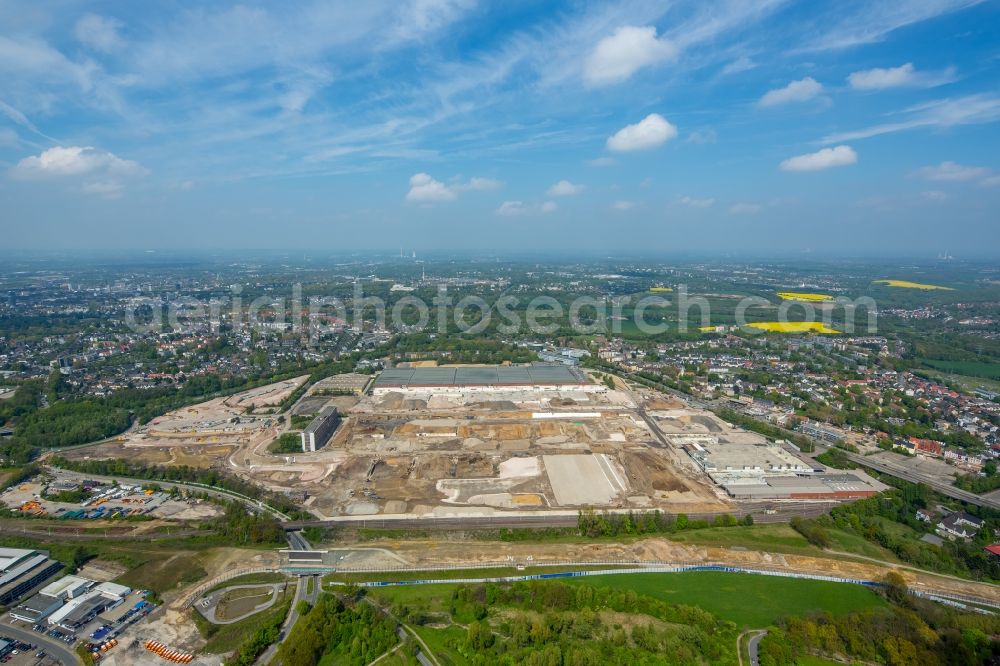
[765,471]
[813,487]
[737,460]
[70,602]
[21,570]
[318,433]
[489,378]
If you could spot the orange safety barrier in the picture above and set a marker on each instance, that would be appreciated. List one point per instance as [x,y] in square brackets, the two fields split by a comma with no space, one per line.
[167,653]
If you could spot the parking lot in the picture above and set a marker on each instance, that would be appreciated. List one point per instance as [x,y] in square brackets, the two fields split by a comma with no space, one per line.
[72,496]
[21,651]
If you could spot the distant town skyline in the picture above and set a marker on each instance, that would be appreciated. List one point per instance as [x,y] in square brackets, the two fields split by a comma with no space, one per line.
[828,128]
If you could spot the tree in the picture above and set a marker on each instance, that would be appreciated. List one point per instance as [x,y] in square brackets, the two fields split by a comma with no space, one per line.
[896,589]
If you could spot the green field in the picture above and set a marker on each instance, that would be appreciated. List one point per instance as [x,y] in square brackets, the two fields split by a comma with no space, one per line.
[967,368]
[437,640]
[778,538]
[810,660]
[453,574]
[965,382]
[745,599]
[251,579]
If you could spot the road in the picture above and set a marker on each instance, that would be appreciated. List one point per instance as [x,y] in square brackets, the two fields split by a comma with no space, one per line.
[752,646]
[420,656]
[929,481]
[213,602]
[307,590]
[296,541]
[56,649]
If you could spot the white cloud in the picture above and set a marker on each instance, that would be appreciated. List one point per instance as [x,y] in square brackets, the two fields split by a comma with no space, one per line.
[821,159]
[104,171]
[879,78]
[702,136]
[422,17]
[75,161]
[564,188]
[968,110]
[618,57]
[696,203]
[951,171]
[512,208]
[301,87]
[17,116]
[802,90]
[109,189]
[483,184]
[98,32]
[936,196]
[602,162]
[904,76]
[744,208]
[741,64]
[650,132]
[871,22]
[518,208]
[623,205]
[423,188]
[992,181]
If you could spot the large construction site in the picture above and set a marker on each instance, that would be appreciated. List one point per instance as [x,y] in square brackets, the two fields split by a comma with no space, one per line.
[482,441]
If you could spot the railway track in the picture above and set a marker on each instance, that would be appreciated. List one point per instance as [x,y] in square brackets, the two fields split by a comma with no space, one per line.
[781,514]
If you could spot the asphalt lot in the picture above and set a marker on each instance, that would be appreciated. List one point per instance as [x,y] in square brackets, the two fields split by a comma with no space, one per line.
[57,652]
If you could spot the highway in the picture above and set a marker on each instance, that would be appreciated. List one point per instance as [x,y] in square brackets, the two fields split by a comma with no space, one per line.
[931,482]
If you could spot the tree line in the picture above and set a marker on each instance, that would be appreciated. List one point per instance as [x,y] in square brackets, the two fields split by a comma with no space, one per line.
[338,630]
[610,524]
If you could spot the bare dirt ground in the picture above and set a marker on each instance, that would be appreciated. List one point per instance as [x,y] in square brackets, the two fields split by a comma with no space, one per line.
[102,570]
[437,452]
[172,624]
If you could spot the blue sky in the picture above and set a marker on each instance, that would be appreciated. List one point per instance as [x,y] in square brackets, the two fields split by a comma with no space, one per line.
[688,126]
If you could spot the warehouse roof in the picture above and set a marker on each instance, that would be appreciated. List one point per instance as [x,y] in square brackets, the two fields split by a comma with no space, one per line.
[490,375]
[11,556]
